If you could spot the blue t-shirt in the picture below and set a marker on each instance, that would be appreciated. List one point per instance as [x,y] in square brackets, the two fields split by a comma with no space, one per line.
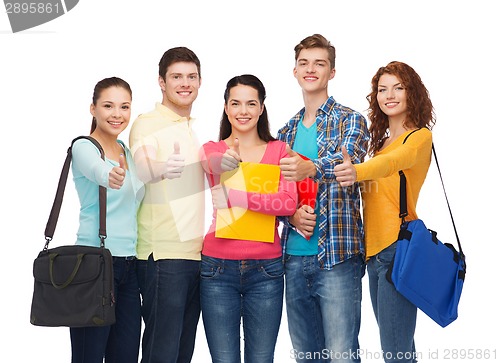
[90,171]
[305,144]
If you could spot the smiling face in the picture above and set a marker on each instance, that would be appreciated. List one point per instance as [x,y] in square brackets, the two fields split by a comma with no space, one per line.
[391,97]
[243,109]
[112,110]
[312,69]
[180,87]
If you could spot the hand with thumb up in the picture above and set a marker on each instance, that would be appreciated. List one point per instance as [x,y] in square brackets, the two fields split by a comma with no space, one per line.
[295,167]
[175,163]
[117,174]
[345,173]
[231,158]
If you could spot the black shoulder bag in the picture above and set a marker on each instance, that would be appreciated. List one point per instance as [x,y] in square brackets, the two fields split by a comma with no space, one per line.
[73,284]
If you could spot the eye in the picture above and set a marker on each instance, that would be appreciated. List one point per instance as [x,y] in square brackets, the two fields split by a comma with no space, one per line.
[125,107]
[107,106]
[381,90]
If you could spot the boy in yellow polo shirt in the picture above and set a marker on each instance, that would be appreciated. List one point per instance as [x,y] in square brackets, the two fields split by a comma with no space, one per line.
[171,217]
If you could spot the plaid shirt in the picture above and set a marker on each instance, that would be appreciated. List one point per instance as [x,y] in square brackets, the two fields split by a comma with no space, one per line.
[340,225]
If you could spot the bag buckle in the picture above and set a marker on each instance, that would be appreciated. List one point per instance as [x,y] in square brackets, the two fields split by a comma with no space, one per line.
[102,238]
[47,241]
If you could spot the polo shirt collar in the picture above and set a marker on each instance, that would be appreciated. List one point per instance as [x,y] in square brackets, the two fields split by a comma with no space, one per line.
[171,115]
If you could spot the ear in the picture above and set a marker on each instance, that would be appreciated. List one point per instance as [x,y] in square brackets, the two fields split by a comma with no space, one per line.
[295,72]
[161,82]
[332,74]
[92,109]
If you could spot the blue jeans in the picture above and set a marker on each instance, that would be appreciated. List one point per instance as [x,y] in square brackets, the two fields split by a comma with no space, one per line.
[236,289]
[396,316]
[324,308]
[170,292]
[118,343]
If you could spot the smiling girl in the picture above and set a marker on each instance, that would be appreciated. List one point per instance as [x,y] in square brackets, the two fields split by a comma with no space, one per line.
[240,278]
[110,111]
[399,105]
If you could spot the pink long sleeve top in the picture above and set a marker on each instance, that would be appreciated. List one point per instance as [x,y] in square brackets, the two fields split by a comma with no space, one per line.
[282,203]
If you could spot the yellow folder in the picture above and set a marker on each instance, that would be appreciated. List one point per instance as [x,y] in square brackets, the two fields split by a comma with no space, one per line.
[241,223]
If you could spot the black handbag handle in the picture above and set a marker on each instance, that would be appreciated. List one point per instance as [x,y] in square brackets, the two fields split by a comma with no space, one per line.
[56,206]
[52,257]
[403,210]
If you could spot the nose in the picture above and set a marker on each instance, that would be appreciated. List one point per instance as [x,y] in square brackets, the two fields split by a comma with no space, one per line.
[185,81]
[116,112]
[390,94]
[243,109]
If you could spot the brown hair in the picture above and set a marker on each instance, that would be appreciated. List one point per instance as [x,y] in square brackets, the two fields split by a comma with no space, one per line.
[420,112]
[317,41]
[263,122]
[177,54]
[102,85]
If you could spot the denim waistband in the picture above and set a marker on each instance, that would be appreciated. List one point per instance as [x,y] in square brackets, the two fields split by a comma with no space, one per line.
[238,264]
[126,258]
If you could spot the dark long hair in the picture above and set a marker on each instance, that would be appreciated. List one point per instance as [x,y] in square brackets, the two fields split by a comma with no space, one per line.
[263,129]
[102,85]
[420,112]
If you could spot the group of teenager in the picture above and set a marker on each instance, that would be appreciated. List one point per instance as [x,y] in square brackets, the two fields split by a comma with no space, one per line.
[168,270]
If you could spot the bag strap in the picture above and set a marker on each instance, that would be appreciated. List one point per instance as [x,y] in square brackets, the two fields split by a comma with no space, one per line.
[56,206]
[403,210]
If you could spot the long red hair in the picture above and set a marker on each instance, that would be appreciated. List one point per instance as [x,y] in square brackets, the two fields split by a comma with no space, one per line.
[420,112]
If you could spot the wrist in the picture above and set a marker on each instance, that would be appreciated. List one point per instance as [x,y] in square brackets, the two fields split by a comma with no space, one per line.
[292,219]
[312,169]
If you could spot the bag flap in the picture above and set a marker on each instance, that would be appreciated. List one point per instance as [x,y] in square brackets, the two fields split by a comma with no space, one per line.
[65,264]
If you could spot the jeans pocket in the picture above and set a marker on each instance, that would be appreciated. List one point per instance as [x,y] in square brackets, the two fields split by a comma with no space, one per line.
[273,269]
[387,255]
[209,270]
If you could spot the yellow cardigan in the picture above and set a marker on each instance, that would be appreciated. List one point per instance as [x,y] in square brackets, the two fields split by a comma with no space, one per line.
[380,187]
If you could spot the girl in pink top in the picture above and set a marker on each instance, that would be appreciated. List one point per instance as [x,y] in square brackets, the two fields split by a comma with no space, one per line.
[243,278]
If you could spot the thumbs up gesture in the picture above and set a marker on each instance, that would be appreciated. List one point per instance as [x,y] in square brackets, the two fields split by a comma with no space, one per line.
[296,168]
[231,158]
[175,163]
[345,173]
[117,174]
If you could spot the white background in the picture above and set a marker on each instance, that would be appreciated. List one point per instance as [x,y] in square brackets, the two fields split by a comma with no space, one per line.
[47,75]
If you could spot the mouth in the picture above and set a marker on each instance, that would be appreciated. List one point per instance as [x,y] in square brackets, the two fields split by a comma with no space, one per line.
[115,123]
[243,120]
[391,104]
[310,78]
[184,93]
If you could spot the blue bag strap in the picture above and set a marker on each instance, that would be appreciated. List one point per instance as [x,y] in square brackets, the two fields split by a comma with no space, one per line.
[56,206]
[403,210]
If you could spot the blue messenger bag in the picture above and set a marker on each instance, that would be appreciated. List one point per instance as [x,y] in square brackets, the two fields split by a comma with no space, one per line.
[429,273]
